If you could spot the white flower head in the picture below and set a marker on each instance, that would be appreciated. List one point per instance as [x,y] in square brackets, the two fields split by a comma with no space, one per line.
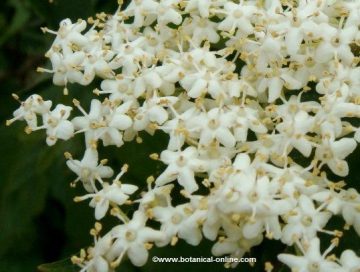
[89,170]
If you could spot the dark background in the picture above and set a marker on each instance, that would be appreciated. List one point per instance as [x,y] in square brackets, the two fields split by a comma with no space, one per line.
[39,222]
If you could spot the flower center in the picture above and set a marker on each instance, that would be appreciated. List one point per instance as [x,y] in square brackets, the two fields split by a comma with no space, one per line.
[153,42]
[314,267]
[176,219]
[128,49]
[296,22]
[213,124]
[306,220]
[335,41]
[237,13]
[181,161]
[309,62]
[202,22]
[161,10]
[130,235]
[327,155]
[253,196]
[53,122]
[85,173]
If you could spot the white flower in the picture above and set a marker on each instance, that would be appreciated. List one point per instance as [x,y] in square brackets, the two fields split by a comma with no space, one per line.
[275,80]
[179,221]
[238,16]
[216,125]
[166,13]
[97,63]
[235,245]
[67,68]
[56,124]
[201,29]
[201,6]
[312,260]
[116,193]
[295,128]
[178,128]
[104,121]
[153,111]
[132,238]
[357,135]
[349,261]
[304,221]
[350,210]
[236,86]
[245,194]
[120,88]
[88,170]
[206,76]
[246,118]
[182,165]
[267,50]
[29,109]
[156,196]
[306,68]
[128,55]
[155,41]
[333,153]
[336,42]
[68,33]
[97,261]
[143,12]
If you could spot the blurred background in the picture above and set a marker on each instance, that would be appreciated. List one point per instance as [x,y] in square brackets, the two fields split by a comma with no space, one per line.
[39,222]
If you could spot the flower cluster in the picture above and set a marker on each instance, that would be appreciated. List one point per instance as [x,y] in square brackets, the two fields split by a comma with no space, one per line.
[247,91]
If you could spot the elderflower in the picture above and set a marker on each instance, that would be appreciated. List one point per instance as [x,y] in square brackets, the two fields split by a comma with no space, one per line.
[259,102]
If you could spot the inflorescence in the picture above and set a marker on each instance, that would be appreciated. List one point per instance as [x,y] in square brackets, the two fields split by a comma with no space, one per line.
[247,91]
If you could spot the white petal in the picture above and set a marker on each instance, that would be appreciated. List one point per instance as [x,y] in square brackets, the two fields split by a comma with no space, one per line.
[90,159]
[105,171]
[343,147]
[224,247]
[227,24]
[251,231]
[187,180]
[153,80]
[117,196]
[293,261]
[138,255]
[293,40]
[242,161]
[121,121]
[324,53]
[275,87]
[191,235]
[158,114]
[167,176]
[101,208]
[306,204]
[65,130]
[100,264]
[303,146]
[129,188]
[225,137]
[95,109]
[197,88]
[339,167]
[139,87]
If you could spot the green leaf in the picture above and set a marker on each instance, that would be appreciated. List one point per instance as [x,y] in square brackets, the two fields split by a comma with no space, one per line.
[20,19]
[58,10]
[59,266]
